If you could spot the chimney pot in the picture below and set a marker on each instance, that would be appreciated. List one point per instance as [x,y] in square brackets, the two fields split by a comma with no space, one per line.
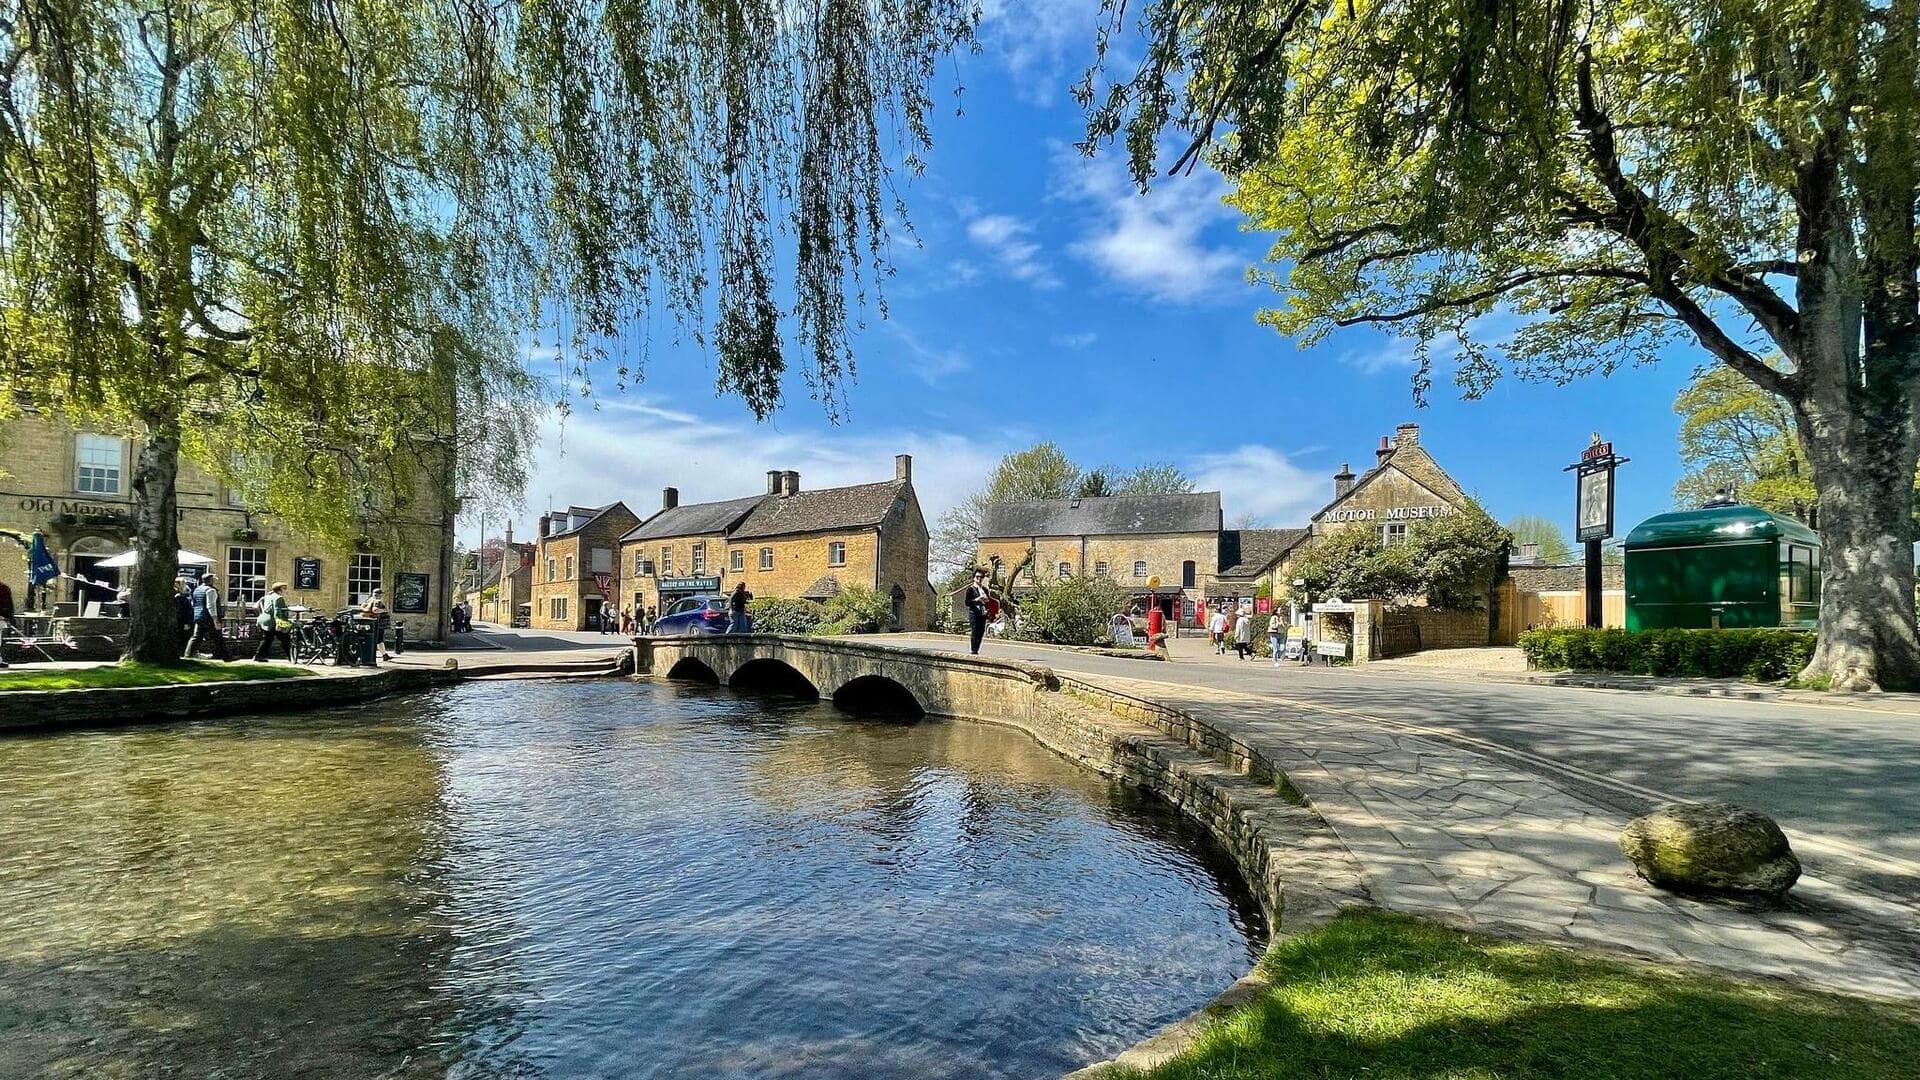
[1386,447]
[1342,481]
[546,525]
[773,481]
[903,466]
[789,483]
[1406,435]
[669,498]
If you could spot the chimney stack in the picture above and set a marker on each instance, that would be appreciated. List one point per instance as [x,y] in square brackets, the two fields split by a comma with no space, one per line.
[509,534]
[1406,435]
[903,466]
[1342,481]
[669,498]
[773,481]
[546,525]
[1530,553]
[1386,447]
[789,483]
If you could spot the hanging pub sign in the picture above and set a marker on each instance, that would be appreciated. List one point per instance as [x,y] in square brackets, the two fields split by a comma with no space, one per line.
[410,593]
[306,573]
[1593,491]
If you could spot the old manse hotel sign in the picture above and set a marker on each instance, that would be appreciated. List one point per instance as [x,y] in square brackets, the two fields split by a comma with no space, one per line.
[1391,513]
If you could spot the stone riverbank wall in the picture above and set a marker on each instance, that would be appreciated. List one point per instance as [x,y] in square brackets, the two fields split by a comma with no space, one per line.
[50,710]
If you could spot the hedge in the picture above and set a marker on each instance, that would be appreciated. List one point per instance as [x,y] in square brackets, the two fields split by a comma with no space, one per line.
[1760,655]
[781,615]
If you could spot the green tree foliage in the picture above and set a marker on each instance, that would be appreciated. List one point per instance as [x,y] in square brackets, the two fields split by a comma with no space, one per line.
[1094,484]
[1534,529]
[857,609]
[1738,438]
[1154,478]
[1449,562]
[1612,176]
[783,615]
[1072,611]
[304,242]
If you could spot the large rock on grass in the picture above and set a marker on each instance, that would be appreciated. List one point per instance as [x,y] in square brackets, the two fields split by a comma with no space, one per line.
[1712,849]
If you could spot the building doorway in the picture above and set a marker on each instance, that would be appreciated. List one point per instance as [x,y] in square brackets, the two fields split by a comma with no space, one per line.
[101,583]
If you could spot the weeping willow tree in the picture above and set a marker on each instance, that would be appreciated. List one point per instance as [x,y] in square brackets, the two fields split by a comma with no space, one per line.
[304,240]
[1618,174]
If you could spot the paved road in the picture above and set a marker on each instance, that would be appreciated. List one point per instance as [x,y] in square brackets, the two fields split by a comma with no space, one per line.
[1844,782]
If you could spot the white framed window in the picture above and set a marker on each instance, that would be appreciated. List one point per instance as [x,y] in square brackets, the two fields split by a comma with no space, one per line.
[246,574]
[699,559]
[97,461]
[766,558]
[1139,568]
[569,568]
[1393,532]
[1099,568]
[550,568]
[364,573]
[836,554]
[557,608]
[1063,571]
[737,560]
[666,558]
[639,563]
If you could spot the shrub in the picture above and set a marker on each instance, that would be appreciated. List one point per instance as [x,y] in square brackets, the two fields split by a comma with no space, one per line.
[780,615]
[1071,612]
[857,609]
[1759,654]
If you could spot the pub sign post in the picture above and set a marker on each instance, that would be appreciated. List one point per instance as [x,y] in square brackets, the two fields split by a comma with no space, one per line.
[1593,513]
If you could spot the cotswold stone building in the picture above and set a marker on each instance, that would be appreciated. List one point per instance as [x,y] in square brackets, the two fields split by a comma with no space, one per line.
[576,571]
[788,542]
[75,486]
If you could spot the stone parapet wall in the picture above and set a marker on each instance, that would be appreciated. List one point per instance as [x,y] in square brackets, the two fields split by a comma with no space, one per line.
[44,710]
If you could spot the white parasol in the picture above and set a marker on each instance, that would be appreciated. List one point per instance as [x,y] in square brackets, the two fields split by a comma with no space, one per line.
[128,558]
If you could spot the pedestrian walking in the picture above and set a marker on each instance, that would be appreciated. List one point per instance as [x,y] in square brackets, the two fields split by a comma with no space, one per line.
[1217,631]
[1243,634]
[183,609]
[652,617]
[275,622]
[374,610]
[740,622]
[1276,637]
[206,619]
[977,597]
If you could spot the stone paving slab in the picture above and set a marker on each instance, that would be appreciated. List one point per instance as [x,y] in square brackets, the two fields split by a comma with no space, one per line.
[1461,837]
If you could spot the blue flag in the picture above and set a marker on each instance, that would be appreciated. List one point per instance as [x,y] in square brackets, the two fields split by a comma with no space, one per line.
[40,565]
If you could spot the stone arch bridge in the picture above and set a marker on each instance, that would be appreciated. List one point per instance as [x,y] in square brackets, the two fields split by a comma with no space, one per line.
[854,675]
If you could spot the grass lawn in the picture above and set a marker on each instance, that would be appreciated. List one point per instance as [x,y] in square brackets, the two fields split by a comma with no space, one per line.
[1386,997]
[120,675]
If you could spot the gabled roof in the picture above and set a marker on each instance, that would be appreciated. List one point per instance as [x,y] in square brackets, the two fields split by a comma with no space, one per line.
[1413,460]
[1247,553]
[1111,515]
[694,519]
[824,588]
[821,510]
[594,513]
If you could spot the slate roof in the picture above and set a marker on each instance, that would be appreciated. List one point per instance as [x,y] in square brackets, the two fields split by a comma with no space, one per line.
[1246,553]
[1565,577]
[821,510]
[1112,515]
[1413,460]
[694,519]
[490,573]
[826,588]
[595,512]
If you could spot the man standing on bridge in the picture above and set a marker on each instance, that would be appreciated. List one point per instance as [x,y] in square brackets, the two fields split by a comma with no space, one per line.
[738,606]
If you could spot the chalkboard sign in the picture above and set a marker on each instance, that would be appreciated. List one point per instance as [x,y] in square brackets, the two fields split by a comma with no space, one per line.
[409,593]
[306,573]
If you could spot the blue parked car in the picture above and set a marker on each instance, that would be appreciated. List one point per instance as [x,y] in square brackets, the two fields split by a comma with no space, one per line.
[694,615]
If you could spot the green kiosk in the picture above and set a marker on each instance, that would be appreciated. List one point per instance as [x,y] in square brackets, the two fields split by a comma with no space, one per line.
[1723,565]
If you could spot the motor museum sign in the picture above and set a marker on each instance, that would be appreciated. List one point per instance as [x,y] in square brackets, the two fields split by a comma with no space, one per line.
[1391,513]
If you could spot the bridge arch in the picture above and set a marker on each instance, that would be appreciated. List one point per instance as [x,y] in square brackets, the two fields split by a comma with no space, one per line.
[693,669]
[769,676]
[877,695]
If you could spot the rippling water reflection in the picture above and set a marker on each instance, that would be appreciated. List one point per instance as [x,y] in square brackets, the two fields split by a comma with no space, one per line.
[576,879]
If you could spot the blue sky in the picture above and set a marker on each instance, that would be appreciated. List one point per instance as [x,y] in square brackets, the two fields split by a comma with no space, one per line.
[1047,300]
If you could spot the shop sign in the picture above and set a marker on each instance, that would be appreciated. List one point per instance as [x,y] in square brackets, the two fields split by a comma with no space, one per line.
[1391,513]
[1593,490]
[1330,648]
[306,572]
[72,506]
[410,593]
[689,584]
[1333,606]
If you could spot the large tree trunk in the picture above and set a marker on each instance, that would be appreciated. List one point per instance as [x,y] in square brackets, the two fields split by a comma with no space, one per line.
[153,634]
[1863,453]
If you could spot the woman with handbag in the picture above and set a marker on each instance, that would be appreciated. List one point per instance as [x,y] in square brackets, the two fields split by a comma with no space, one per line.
[275,622]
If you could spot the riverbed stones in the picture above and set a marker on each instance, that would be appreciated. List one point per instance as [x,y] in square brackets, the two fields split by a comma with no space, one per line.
[1712,849]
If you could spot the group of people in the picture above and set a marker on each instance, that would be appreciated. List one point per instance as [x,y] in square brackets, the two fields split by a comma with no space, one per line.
[198,606]
[461,618]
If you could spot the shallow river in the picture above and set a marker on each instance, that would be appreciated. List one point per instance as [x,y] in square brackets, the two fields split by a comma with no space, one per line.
[591,879]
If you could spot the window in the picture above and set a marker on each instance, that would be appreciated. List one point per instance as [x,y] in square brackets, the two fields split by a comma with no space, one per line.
[1063,571]
[550,568]
[363,576]
[666,558]
[569,568]
[246,574]
[699,559]
[1393,532]
[836,554]
[1100,568]
[1803,577]
[96,460]
[557,608]
[737,560]
[1187,574]
[766,558]
[639,563]
[1139,568]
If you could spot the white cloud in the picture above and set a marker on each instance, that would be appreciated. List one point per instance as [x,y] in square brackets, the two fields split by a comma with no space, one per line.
[1075,341]
[1044,44]
[630,450]
[1261,481]
[1152,243]
[931,364]
[1011,242]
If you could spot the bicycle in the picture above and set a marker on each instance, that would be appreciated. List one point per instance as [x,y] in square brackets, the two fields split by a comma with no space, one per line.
[316,640]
